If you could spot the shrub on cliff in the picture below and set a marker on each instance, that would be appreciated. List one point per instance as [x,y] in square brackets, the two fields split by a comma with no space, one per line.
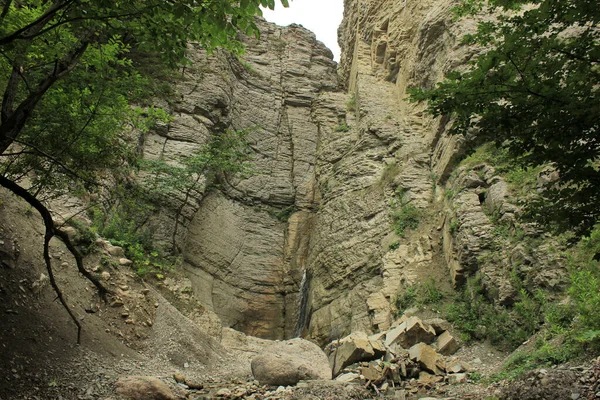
[535,91]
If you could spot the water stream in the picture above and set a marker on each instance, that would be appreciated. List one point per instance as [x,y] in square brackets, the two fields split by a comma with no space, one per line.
[303,305]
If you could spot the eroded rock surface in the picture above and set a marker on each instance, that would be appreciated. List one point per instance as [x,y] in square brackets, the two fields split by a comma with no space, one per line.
[288,362]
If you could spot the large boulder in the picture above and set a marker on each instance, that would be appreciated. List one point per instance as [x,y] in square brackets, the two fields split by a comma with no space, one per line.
[427,357]
[410,331]
[289,361]
[143,388]
[354,348]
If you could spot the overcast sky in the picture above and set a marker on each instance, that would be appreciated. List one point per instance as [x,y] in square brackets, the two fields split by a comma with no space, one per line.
[320,16]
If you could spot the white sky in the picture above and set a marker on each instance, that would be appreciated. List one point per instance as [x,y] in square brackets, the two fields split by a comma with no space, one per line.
[320,16]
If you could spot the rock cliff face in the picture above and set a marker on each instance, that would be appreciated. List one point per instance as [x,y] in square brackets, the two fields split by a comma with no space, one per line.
[306,246]
[244,256]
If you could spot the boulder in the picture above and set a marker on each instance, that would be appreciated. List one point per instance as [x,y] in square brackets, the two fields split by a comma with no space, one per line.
[427,357]
[439,325]
[411,331]
[143,388]
[372,372]
[354,348]
[457,378]
[446,344]
[287,362]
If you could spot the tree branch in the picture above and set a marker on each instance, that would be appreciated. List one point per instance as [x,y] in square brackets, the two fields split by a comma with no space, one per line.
[36,25]
[14,121]
[51,231]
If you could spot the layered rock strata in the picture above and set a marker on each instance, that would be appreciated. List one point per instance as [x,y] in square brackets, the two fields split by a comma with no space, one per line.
[245,245]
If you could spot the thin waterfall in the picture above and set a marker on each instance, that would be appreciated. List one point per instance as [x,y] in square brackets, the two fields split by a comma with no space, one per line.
[303,306]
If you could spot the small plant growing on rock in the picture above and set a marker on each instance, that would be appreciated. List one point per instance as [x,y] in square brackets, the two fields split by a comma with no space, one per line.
[405,216]
[342,127]
[394,245]
[351,103]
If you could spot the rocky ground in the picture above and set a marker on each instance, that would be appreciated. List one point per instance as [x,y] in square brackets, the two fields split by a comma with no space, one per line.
[139,331]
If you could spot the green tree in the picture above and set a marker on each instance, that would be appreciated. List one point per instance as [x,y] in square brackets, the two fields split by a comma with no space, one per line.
[226,154]
[69,72]
[534,90]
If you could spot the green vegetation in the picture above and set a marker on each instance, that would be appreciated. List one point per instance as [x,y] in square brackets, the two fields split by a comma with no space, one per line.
[407,297]
[425,293]
[342,127]
[404,214]
[538,76]
[285,214]
[69,74]
[227,153]
[351,103]
[565,329]
[394,245]
[477,318]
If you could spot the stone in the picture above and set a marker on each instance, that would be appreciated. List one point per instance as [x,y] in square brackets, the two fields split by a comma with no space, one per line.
[454,367]
[143,388]
[439,325]
[372,372]
[447,344]
[457,378]
[428,379]
[347,377]
[225,393]
[410,332]
[353,348]
[289,361]
[105,275]
[115,251]
[179,377]
[427,357]
[125,262]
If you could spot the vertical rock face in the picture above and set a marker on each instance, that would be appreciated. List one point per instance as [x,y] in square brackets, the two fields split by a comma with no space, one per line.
[392,154]
[244,251]
[307,244]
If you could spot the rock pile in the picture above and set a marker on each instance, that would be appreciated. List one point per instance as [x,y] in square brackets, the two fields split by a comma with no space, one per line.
[414,354]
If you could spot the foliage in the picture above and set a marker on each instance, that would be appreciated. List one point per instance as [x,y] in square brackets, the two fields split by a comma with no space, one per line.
[342,127]
[477,318]
[404,215]
[351,103]
[535,92]
[585,289]
[84,238]
[419,294]
[406,298]
[285,214]
[394,245]
[226,155]
[544,355]
[70,69]
[429,293]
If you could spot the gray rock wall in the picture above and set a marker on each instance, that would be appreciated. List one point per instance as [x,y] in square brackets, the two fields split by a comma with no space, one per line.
[245,262]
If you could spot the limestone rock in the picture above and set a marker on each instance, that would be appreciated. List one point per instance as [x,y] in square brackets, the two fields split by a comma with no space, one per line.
[457,378]
[287,362]
[439,325]
[427,358]
[447,344]
[410,332]
[115,251]
[143,388]
[125,262]
[353,348]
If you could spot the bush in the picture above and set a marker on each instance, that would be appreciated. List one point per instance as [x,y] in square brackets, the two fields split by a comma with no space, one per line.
[342,127]
[477,318]
[406,216]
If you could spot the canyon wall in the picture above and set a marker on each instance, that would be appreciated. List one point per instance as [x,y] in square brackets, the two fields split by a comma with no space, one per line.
[306,245]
